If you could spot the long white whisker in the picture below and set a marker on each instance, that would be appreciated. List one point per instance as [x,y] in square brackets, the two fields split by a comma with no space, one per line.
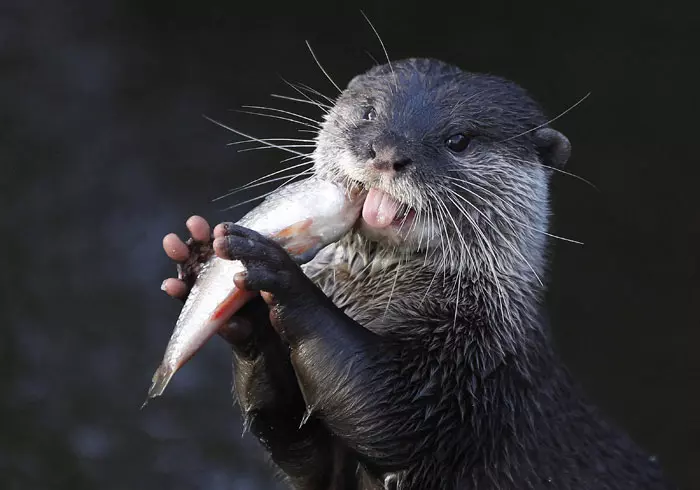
[282,111]
[321,67]
[266,147]
[315,92]
[295,99]
[533,162]
[489,255]
[501,213]
[300,140]
[261,141]
[271,174]
[396,82]
[309,156]
[268,181]
[393,287]
[495,228]
[296,176]
[274,116]
[551,120]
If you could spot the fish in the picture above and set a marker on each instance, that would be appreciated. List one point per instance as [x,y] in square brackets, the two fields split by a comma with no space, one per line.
[303,218]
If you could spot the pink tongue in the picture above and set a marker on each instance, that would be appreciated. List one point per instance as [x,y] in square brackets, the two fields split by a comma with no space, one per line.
[379,209]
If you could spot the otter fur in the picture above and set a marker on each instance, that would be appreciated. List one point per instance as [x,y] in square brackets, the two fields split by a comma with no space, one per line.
[417,355]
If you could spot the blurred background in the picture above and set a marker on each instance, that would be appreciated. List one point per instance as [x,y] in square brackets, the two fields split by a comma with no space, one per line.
[104,150]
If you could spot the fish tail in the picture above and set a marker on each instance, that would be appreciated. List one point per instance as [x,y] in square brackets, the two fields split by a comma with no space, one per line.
[161,378]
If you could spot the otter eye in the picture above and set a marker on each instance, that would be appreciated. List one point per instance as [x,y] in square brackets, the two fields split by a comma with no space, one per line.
[370,114]
[457,142]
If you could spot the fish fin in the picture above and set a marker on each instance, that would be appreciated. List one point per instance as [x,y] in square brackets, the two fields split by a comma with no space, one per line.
[161,378]
[293,230]
[296,240]
[302,246]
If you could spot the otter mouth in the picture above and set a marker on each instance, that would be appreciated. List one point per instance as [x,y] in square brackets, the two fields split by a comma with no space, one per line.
[380,210]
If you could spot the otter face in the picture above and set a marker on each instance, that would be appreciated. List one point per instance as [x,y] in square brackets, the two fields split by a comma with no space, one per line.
[443,153]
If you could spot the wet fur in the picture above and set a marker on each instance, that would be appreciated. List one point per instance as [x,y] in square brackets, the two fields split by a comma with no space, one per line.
[454,384]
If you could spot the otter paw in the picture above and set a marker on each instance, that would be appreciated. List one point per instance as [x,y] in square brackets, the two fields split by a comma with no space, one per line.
[188,256]
[199,253]
[269,267]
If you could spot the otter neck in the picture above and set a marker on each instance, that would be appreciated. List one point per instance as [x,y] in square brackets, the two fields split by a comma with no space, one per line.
[372,280]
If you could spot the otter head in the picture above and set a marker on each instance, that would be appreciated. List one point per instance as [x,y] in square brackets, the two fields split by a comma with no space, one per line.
[454,162]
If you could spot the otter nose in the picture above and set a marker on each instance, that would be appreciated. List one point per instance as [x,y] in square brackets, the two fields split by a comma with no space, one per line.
[388,158]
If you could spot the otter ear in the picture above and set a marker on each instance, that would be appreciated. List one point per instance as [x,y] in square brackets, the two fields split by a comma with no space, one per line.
[554,147]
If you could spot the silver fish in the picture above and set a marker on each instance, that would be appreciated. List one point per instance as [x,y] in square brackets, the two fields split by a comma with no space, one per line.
[303,217]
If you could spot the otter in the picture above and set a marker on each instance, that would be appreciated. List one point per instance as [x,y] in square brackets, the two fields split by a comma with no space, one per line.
[414,353]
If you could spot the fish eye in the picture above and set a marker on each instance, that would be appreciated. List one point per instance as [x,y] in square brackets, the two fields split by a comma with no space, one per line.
[457,143]
[370,114]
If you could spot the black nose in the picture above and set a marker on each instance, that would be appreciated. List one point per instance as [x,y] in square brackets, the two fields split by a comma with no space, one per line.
[399,165]
[388,158]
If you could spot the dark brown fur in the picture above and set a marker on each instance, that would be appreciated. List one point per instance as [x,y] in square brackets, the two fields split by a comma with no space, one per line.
[426,364]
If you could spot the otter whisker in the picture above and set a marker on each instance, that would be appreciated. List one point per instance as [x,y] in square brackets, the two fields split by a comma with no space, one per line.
[415,222]
[386,54]
[459,286]
[321,106]
[542,165]
[262,141]
[430,285]
[490,255]
[282,111]
[532,162]
[259,179]
[273,116]
[300,140]
[331,108]
[580,101]
[327,109]
[495,228]
[482,239]
[297,87]
[444,255]
[374,60]
[309,156]
[321,67]
[265,182]
[458,232]
[287,182]
[265,147]
[315,92]
[429,221]
[393,287]
[511,221]
[445,250]
[430,254]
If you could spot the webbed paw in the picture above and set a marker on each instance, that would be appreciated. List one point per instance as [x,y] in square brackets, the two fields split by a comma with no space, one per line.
[269,267]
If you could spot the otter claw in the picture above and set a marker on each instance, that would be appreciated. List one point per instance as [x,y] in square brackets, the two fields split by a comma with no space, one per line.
[188,270]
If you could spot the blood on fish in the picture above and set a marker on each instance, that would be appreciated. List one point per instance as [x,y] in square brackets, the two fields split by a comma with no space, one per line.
[233,302]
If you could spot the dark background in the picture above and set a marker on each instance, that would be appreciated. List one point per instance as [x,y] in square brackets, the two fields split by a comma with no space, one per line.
[104,150]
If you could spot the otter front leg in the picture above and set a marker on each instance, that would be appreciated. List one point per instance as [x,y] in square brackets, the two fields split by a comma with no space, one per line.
[355,381]
[264,381]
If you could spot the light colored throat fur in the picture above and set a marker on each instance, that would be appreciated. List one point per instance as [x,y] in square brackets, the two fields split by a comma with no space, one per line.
[375,283]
